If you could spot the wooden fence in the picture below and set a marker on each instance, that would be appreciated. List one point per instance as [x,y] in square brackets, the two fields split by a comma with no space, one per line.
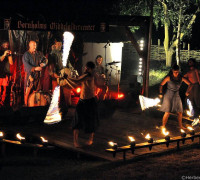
[158,53]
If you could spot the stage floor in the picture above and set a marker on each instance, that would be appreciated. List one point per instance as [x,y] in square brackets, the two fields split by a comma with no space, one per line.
[116,124]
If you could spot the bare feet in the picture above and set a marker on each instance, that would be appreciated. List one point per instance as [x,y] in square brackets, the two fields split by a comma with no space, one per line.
[89,142]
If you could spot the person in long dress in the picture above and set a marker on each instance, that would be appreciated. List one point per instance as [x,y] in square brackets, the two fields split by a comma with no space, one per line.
[172,101]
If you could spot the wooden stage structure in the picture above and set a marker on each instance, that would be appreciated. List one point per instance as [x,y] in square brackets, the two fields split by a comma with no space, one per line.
[116,124]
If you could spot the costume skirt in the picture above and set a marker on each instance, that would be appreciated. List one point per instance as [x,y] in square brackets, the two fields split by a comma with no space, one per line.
[86,115]
[172,102]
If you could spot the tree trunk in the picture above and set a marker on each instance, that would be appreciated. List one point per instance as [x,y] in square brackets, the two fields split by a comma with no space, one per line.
[169,55]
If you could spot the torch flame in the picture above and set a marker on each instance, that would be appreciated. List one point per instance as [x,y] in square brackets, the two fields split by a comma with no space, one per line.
[1,134]
[188,113]
[147,136]
[131,138]
[148,102]
[112,143]
[190,128]
[182,131]
[20,137]
[43,139]
[165,132]
[67,42]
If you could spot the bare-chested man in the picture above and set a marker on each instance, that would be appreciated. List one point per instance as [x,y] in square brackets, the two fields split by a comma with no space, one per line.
[86,115]
[193,76]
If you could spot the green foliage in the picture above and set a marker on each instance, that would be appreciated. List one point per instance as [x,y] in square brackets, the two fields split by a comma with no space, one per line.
[156,76]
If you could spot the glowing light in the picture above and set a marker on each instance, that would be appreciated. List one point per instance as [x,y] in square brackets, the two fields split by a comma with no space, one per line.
[131,138]
[140,69]
[53,114]
[43,139]
[182,131]
[195,122]
[141,48]
[78,90]
[141,41]
[190,112]
[166,133]
[113,144]
[120,96]
[190,128]
[146,103]
[140,62]
[18,135]
[1,134]
[140,59]
[140,73]
[147,136]
[67,42]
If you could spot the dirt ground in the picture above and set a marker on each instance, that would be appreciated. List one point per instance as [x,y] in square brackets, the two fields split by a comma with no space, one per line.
[63,165]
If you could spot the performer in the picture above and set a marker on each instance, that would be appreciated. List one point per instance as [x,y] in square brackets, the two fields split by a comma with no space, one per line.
[172,101]
[101,78]
[193,76]
[86,115]
[33,62]
[5,62]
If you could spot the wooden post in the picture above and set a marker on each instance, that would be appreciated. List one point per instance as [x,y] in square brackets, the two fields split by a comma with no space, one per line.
[159,49]
[188,51]
[149,52]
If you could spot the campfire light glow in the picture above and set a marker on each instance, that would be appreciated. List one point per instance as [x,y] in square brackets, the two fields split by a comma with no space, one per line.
[132,141]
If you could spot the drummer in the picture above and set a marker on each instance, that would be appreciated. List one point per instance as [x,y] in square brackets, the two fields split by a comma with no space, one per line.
[100,77]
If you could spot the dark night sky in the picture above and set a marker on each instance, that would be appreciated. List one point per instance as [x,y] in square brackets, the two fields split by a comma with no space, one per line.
[74,9]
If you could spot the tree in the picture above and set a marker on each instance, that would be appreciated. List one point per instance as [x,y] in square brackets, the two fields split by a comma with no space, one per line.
[176,17]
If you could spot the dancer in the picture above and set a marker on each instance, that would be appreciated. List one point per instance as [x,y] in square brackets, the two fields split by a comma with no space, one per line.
[172,101]
[86,115]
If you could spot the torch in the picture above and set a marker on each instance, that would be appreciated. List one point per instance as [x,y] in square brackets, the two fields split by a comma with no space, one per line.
[113,145]
[132,143]
[192,132]
[21,138]
[1,135]
[167,137]
[44,141]
[183,135]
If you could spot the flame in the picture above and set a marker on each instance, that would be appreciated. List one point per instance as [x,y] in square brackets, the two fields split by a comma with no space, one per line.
[1,134]
[112,143]
[120,95]
[67,42]
[43,139]
[188,113]
[182,131]
[147,136]
[131,138]
[53,114]
[190,128]
[18,135]
[165,132]
[145,102]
